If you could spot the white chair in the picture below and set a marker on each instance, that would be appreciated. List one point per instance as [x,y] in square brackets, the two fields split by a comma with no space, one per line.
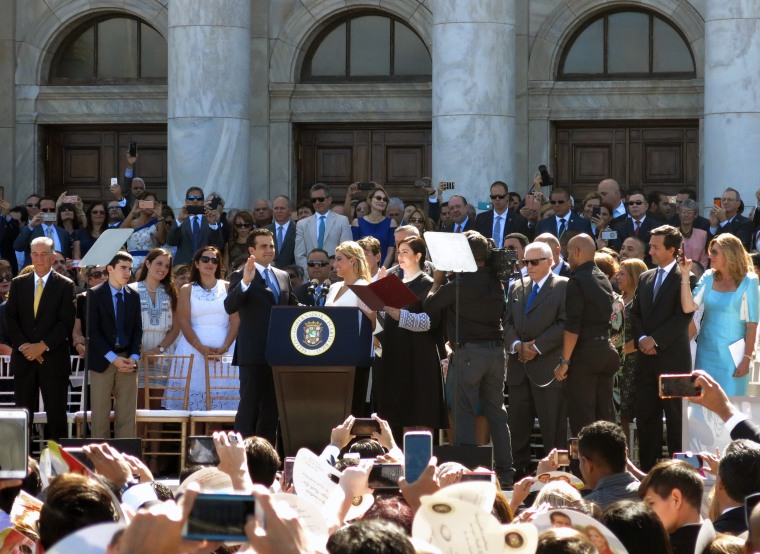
[222,385]
[6,383]
[74,402]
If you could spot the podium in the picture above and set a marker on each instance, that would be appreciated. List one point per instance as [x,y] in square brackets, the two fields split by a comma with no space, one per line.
[313,353]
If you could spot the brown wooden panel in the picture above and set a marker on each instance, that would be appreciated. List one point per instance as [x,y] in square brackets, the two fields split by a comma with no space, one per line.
[591,163]
[403,165]
[82,165]
[663,163]
[334,164]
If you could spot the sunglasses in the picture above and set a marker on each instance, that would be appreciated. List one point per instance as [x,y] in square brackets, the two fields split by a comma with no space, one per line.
[195,198]
[67,209]
[207,259]
[380,198]
[320,263]
[533,262]
[97,212]
[113,208]
[318,199]
[98,274]
[37,205]
[555,202]
[6,278]
[498,196]
[48,210]
[242,225]
[635,202]
[416,220]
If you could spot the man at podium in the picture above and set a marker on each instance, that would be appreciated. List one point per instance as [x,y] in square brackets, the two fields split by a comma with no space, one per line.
[253,291]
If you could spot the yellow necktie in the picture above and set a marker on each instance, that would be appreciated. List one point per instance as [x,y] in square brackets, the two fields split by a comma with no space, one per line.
[37,295]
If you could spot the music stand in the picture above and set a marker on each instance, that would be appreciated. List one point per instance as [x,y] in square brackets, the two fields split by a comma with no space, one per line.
[451,252]
[100,254]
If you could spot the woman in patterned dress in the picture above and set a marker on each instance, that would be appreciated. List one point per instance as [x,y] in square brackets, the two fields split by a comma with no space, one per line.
[149,229]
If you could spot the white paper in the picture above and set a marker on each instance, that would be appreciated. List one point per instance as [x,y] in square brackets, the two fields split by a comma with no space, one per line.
[456,526]
[309,516]
[478,493]
[311,477]
[737,351]
[450,252]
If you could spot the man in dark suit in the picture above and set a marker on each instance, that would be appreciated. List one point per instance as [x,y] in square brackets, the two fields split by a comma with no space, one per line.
[638,225]
[115,339]
[559,266]
[738,477]
[534,324]
[563,219]
[253,291]
[318,266]
[727,219]
[40,316]
[460,220]
[193,230]
[612,197]
[284,231]
[661,333]
[500,221]
[38,227]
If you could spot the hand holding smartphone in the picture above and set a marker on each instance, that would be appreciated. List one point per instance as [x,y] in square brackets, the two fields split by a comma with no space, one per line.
[680,385]
[418,449]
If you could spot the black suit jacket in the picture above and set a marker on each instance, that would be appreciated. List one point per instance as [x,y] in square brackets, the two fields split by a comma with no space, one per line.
[741,227]
[746,430]
[103,324]
[684,539]
[9,230]
[286,256]
[625,230]
[515,223]
[664,320]
[254,305]
[731,522]
[469,226]
[28,234]
[53,324]
[181,236]
[575,223]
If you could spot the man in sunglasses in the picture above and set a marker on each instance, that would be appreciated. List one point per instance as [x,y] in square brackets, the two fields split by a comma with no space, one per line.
[318,268]
[43,224]
[564,219]
[638,224]
[534,324]
[284,232]
[197,225]
[33,205]
[115,215]
[498,223]
[325,229]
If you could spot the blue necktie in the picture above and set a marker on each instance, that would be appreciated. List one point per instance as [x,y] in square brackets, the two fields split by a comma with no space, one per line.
[121,321]
[562,228]
[532,297]
[279,238]
[271,283]
[658,282]
[196,233]
[321,233]
[497,231]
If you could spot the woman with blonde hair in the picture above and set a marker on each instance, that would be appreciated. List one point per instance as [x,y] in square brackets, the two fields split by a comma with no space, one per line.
[729,292]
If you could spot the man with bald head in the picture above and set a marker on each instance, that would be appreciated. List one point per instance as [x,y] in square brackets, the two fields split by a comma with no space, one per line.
[632,248]
[588,359]
[612,197]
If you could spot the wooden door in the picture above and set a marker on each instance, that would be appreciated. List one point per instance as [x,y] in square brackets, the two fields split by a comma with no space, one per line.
[338,156]
[82,160]
[649,157]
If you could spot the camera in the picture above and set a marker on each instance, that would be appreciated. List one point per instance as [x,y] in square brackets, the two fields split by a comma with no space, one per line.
[546,179]
[503,263]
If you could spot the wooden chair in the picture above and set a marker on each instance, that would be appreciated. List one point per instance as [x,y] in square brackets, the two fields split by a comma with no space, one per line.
[222,385]
[175,372]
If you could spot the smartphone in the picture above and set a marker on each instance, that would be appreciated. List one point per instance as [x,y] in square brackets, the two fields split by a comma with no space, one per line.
[572,448]
[132,149]
[195,210]
[114,181]
[679,386]
[14,429]
[219,517]
[694,460]
[201,451]
[749,504]
[70,199]
[78,454]
[596,211]
[287,470]
[49,217]
[716,201]
[448,185]
[365,427]
[485,206]
[489,476]
[366,186]
[214,203]
[609,235]
[384,476]
[679,255]
[146,204]
[562,457]
[418,449]
[672,200]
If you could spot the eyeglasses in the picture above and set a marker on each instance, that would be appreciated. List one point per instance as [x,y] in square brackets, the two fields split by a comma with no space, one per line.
[533,262]
[207,259]
[36,205]
[555,202]
[98,274]
[67,209]
[416,220]
[318,263]
[113,208]
[380,198]
[97,212]
[48,210]
[318,199]
[635,202]
[243,225]
[6,278]
[498,196]
[194,198]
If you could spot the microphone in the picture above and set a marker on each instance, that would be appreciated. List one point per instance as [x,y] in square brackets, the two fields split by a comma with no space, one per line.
[323,293]
[312,288]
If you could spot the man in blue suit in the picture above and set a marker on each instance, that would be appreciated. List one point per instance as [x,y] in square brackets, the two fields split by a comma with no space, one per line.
[563,218]
[38,227]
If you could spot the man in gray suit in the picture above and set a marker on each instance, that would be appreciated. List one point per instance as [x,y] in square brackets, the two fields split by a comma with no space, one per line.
[324,230]
[284,231]
[535,321]
[196,225]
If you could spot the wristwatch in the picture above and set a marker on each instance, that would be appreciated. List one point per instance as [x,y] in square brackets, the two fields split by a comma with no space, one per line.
[161,349]
[563,361]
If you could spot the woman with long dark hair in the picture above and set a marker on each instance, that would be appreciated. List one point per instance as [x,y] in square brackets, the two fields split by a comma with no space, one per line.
[85,237]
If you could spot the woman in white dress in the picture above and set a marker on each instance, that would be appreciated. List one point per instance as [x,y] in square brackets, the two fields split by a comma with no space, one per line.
[351,266]
[149,229]
[158,303]
[206,327]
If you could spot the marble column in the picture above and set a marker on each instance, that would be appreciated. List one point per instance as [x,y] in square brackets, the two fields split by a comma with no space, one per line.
[208,109]
[474,94]
[732,99]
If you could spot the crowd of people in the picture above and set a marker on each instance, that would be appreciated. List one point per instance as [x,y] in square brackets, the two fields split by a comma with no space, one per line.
[570,300]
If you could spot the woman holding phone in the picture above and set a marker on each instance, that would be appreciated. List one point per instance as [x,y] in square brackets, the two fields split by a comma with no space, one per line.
[149,228]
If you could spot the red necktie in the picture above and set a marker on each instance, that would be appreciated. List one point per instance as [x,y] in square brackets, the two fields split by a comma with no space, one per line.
[458,229]
[636,224]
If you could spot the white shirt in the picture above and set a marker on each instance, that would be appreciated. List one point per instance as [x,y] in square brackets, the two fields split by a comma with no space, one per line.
[44,279]
[317,217]
[620,210]
[559,220]
[260,268]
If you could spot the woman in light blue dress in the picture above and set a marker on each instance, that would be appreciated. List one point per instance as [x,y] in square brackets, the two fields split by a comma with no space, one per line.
[729,293]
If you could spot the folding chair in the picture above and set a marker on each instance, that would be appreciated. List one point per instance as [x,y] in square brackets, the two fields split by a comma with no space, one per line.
[222,386]
[175,372]
[6,383]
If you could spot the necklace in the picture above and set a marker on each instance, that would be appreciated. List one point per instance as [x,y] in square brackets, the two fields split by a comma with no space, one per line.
[152,291]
